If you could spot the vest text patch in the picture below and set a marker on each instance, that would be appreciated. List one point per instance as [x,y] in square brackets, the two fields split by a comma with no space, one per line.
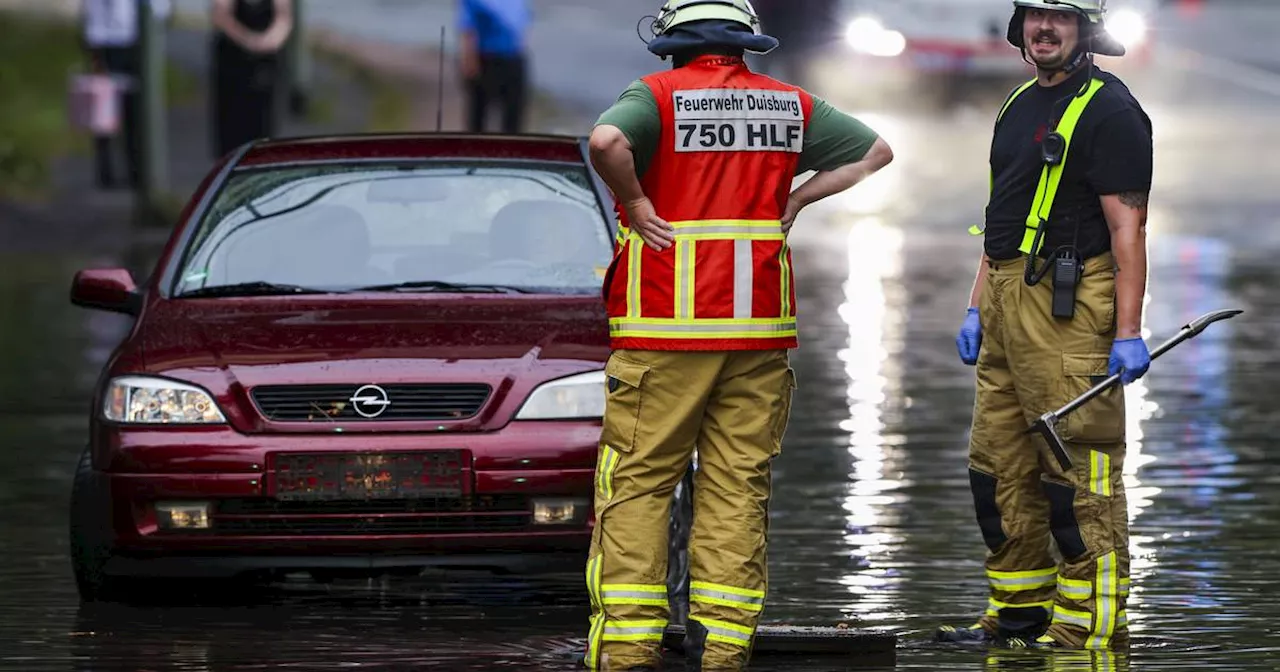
[738,120]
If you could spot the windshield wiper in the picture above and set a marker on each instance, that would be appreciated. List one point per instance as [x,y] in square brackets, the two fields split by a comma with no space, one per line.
[442,286]
[257,288]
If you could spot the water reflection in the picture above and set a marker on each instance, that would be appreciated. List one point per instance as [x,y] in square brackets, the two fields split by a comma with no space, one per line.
[1059,661]
[875,479]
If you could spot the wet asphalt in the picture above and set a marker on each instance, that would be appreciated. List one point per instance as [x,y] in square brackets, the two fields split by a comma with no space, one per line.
[872,517]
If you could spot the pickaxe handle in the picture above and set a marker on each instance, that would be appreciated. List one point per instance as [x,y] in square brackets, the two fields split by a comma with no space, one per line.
[1045,425]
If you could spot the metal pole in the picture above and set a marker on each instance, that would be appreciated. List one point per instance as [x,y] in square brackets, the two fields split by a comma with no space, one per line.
[299,63]
[153,172]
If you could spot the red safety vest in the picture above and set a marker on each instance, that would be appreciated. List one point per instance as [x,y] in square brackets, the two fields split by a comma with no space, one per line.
[723,169]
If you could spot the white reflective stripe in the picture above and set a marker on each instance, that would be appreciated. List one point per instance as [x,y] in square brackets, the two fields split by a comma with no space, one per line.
[724,631]
[1026,580]
[634,630]
[627,593]
[708,327]
[1106,605]
[1079,618]
[684,279]
[1099,473]
[634,249]
[994,606]
[751,600]
[1074,589]
[1124,586]
[743,279]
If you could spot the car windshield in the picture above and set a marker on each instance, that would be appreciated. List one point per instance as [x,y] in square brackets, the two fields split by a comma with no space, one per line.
[442,226]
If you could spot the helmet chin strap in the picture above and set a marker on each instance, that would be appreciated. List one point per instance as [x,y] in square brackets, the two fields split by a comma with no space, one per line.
[1079,58]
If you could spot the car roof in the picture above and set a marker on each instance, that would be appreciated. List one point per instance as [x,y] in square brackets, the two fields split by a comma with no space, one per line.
[426,145]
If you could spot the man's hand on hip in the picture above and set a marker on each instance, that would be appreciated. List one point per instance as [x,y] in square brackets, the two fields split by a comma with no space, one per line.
[654,230]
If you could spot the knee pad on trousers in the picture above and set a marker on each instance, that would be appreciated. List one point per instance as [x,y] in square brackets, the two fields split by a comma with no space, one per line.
[983,486]
[1025,622]
[1062,519]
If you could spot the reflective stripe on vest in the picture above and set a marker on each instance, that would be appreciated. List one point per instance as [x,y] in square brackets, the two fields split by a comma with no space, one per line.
[1050,176]
[686,324]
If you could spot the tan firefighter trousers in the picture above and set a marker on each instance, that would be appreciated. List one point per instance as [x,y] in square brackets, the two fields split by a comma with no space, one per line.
[1031,362]
[733,408]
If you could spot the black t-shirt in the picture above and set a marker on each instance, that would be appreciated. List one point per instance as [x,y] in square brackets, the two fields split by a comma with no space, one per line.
[1111,153]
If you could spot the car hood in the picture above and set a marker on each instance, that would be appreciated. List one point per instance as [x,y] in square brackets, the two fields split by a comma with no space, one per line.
[509,343]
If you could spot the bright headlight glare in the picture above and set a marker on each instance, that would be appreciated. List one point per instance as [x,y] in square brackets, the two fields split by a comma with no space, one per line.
[1127,26]
[862,31]
[143,400]
[575,397]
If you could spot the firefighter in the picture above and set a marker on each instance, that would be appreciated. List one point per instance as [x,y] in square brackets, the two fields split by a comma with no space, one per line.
[701,302]
[1056,306]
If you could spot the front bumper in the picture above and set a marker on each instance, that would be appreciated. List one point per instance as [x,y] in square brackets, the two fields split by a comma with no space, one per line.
[490,524]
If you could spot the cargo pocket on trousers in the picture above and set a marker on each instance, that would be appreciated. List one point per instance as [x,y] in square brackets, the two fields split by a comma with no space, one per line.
[1102,418]
[783,417]
[624,395]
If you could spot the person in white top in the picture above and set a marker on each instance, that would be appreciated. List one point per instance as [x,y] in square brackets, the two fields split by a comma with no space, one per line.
[110,39]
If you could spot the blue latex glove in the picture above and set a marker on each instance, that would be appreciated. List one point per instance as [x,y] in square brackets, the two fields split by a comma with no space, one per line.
[1129,358]
[970,338]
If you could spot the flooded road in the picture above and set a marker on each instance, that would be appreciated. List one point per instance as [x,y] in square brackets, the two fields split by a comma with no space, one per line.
[872,515]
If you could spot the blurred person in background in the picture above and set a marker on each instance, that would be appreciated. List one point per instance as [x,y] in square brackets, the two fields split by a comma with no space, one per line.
[110,38]
[247,71]
[802,35]
[494,60]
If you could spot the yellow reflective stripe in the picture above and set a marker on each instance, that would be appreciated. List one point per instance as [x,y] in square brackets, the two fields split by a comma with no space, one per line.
[609,459]
[1074,589]
[994,606]
[723,631]
[634,631]
[623,233]
[977,230]
[1124,586]
[633,593]
[1025,580]
[634,249]
[1106,606]
[592,659]
[784,262]
[1082,619]
[684,279]
[1122,619]
[1050,176]
[744,225]
[702,328]
[1099,473]
[729,596]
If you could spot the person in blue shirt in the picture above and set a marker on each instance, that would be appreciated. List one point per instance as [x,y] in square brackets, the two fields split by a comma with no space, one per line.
[494,60]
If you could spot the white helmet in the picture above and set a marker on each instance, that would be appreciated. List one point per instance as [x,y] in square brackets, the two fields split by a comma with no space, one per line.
[1094,37]
[676,12]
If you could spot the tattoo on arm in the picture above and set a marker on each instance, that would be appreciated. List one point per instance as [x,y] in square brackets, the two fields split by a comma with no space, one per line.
[1135,199]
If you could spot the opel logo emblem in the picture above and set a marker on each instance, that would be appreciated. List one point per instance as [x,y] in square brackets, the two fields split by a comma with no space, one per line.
[370,401]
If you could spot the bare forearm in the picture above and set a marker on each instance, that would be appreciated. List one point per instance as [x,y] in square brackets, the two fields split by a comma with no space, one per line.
[612,158]
[831,182]
[979,282]
[1127,218]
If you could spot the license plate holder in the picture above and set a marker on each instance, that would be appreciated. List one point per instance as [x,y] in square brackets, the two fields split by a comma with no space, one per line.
[365,476]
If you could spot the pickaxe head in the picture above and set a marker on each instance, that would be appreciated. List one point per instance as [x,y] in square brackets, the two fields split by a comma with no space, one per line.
[1045,426]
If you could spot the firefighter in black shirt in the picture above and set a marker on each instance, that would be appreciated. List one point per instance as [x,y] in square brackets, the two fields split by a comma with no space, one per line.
[1056,307]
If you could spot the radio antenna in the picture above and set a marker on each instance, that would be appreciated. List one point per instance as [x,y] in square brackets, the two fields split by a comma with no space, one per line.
[440,85]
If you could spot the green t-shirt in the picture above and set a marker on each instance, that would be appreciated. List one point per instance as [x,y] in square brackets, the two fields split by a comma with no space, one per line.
[831,140]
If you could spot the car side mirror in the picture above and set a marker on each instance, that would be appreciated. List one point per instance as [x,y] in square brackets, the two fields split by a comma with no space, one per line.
[111,289]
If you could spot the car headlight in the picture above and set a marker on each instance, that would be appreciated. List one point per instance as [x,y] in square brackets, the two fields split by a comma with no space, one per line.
[145,400]
[1127,26]
[868,36]
[575,397]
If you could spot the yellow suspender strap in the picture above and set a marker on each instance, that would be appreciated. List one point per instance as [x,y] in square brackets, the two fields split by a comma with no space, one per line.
[1052,175]
[976,230]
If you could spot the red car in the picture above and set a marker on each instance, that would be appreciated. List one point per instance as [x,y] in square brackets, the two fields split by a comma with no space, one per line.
[366,353]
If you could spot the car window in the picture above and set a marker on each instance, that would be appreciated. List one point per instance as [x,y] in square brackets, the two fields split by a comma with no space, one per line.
[528,225]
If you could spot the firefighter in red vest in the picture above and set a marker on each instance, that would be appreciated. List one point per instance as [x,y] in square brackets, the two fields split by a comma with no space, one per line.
[701,304]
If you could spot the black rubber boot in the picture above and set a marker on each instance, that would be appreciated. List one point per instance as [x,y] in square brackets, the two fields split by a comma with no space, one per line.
[973,634]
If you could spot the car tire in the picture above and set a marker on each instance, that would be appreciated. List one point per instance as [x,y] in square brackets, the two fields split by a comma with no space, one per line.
[90,542]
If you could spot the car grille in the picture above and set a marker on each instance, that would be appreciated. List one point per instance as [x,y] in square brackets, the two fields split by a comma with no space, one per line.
[269,517]
[326,403]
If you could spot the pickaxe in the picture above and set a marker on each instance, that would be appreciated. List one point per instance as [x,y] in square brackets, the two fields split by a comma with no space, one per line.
[1045,424]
